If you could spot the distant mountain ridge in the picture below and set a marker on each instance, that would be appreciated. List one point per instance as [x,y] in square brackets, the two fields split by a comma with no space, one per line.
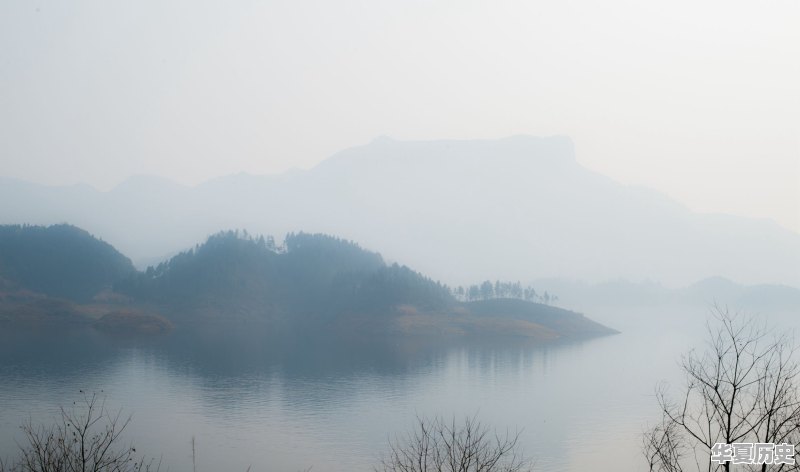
[622,295]
[515,208]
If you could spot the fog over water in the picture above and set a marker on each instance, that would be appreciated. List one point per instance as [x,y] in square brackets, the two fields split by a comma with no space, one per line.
[287,231]
[334,406]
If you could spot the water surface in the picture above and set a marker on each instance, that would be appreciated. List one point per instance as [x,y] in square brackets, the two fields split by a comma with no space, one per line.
[293,404]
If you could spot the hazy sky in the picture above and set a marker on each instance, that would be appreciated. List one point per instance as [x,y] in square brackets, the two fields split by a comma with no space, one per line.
[698,99]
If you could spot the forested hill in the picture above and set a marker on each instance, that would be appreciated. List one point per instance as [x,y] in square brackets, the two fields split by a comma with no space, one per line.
[308,283]
[314,274]
[60,260]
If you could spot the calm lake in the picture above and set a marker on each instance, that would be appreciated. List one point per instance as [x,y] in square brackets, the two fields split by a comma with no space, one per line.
[289,406]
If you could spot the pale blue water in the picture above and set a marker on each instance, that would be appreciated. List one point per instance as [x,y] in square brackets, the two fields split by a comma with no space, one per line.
[581,405]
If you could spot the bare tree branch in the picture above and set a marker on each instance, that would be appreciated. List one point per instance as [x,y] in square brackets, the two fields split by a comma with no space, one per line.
[743,388]
[87,438]
[440,446]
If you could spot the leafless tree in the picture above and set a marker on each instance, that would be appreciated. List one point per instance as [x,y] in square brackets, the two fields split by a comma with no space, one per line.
[87,438]
[742,389]
[663,447]
[440,446]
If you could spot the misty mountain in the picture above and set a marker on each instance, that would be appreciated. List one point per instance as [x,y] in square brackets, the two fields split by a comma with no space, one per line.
[516,208]
[60,261]
[762,298]
[623,295]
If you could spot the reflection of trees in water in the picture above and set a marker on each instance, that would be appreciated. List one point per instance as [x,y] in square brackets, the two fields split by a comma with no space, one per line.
[268,384]
[56,354]
[253,352]
[233,369]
